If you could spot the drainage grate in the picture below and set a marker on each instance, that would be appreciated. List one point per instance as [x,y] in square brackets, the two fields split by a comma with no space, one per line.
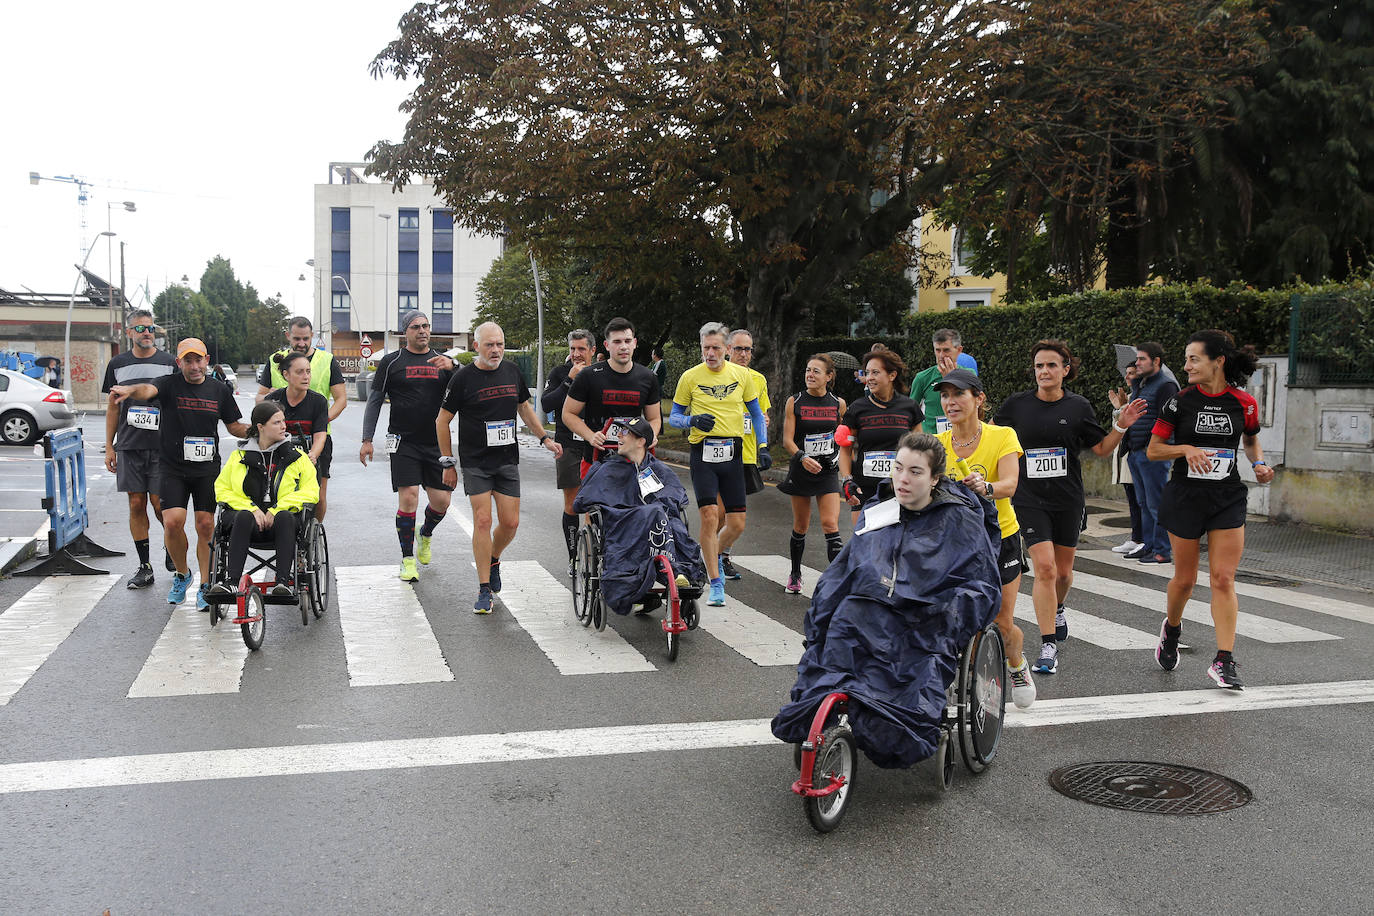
[1265,579]
[1155,788]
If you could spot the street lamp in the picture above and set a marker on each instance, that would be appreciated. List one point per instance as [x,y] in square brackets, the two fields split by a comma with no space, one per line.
[352,310]
[71,304]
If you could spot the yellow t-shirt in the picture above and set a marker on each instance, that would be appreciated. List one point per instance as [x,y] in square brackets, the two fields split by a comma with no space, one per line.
[751,447]
[997,441]
[722,394]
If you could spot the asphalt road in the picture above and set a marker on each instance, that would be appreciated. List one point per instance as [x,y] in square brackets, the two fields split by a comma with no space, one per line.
[150,765]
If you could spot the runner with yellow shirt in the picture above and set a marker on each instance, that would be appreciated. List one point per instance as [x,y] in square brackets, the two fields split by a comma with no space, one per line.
[741,353]
[985,458]
[711,401]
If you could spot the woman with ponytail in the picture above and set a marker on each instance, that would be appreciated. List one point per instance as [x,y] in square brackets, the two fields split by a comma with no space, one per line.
[307,415]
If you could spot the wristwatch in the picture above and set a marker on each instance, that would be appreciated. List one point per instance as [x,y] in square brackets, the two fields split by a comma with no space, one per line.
[544,438]
[1255,464]
[987,489]
[447,461]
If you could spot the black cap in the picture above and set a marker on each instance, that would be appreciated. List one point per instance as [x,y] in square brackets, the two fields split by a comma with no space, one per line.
[960,378]
[641,428]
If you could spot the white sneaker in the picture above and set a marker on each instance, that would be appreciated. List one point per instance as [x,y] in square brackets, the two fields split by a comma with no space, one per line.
[1022,685]
[1126,546]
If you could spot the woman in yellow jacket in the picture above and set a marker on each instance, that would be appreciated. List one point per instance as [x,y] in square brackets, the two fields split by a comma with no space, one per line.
[265,484]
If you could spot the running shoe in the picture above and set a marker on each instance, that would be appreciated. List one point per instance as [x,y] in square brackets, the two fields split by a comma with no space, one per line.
[408,571]
[483,603]
[202,604]
[167,560]
[727,569]
[180,583]
[1224,674]
[1136,554]
[1048,662]
[220,590]
[496,577]
[143,578]
[1061,625]
[793,585]
[717,596]
[681,581]
[1022,685]
[1166,653]
[1156,558]
[423,551]
[1127,546]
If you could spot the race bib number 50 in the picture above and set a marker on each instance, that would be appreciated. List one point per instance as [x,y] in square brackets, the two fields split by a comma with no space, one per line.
[198,448]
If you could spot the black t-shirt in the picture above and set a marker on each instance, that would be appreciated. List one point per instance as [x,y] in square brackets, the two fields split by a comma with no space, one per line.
[607,393]
[485,402]
[1052,433]
[1212,421]
[814,420]
[128,369]
[416,390]
[190,417]
[877,429]
[555,393]
[308,417]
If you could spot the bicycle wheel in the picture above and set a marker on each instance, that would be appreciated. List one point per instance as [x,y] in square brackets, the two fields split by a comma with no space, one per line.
[673,643]
[253,630]
[835,760]
[982,699]
[319,570]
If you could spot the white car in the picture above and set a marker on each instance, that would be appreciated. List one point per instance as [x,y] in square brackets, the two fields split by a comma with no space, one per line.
[29,408]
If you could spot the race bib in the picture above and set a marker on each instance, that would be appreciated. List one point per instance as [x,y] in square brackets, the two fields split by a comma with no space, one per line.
[716,451]
[614,431]
[142,418]
[819,445]
[393,442]
[748,425]
[198,448]
[649,482]
[878,464]
[1222,463]
[1047,462]
[500,432]
[941,425]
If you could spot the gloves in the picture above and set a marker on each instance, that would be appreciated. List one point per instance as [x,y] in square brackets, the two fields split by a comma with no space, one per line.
[843,436]
[850,490]
[765,460]
[704,422]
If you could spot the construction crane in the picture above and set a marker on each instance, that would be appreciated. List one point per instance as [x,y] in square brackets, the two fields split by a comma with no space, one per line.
[81,195]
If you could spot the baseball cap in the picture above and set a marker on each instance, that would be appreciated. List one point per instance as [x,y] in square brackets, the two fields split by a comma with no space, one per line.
[641,428]
[960,378]
[191,345]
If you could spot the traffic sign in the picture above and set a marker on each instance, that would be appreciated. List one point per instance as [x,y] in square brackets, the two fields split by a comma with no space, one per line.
[366,341]
[366,350]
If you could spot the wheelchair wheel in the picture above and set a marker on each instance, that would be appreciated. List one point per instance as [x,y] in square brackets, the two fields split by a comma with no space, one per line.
[253,630]
[584,563]
[944,759]
[317,553]
[836,758]
[982,699]
[691,615]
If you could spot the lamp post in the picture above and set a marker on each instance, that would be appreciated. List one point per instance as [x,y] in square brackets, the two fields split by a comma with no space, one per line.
[71,304]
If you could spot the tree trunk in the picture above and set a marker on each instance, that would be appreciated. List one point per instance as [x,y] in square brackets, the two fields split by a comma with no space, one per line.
[776,327]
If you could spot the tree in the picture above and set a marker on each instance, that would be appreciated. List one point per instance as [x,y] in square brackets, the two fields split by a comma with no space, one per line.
[267,321]
[786,140]
[506,296]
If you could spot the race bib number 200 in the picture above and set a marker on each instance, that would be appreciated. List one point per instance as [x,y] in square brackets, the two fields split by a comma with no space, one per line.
[1042,463]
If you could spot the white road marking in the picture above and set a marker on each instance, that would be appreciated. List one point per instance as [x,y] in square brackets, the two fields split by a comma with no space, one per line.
[35,625]
[1249,625]
[191,657]
[387,637]
[1091,629]
[777,568]
[573,743]
[757,637]
[1320,604]
[543,608]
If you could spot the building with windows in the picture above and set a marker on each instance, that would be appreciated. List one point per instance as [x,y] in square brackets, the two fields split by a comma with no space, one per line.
[962,288]
[380,253]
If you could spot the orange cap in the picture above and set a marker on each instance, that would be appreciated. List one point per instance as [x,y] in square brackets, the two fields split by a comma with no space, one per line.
[191,345]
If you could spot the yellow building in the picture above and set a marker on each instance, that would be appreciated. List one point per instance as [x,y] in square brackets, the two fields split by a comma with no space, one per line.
[964,289]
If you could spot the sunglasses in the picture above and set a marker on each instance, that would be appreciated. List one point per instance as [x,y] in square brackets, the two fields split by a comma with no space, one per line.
[143,328]
[743,349]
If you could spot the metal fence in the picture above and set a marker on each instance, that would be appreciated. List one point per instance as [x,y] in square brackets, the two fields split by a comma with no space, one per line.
[1331,339]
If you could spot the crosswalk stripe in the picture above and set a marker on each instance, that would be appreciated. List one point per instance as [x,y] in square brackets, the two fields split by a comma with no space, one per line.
[191,657]
[777,568]
[1091,629]
[543,608]
[757,637]
[35,625]
[1249,625]
[1320,604]
[387,637]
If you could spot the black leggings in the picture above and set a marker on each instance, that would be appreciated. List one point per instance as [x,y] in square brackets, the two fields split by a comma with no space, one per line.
[283,534]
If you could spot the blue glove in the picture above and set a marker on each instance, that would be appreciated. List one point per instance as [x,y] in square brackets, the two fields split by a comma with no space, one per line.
[704,422]
[765,460]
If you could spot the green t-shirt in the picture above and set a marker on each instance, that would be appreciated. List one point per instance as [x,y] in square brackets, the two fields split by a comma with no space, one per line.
[929,399]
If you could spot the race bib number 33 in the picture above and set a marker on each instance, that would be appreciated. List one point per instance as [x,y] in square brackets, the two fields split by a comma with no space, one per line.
[715,451]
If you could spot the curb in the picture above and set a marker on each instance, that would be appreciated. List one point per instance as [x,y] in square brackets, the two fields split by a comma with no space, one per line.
[14,551]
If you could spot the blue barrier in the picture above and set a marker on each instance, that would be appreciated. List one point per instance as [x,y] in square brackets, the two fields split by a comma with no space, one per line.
[65,501]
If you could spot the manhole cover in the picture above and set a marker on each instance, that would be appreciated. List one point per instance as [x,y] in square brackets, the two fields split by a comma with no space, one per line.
[1155,788]
[1261,579]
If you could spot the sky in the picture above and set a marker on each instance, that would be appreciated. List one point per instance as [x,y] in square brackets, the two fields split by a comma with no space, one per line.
[216,120]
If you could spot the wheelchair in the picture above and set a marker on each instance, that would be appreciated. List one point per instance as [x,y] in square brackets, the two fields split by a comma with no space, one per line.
[973,719]
[250,599]
[589,607]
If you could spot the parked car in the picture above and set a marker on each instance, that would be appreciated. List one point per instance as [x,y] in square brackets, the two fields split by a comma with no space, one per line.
[29,408]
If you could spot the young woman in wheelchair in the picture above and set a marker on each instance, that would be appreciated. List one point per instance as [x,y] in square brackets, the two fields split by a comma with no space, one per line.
[264,485]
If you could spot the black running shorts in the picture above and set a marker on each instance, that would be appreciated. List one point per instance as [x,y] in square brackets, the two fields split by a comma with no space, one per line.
[178,492]
[1059,526]
[724,479]
[1189,512]
[417,466]
[1010,563]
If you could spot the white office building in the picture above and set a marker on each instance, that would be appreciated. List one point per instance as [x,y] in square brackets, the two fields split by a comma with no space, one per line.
[380,253]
